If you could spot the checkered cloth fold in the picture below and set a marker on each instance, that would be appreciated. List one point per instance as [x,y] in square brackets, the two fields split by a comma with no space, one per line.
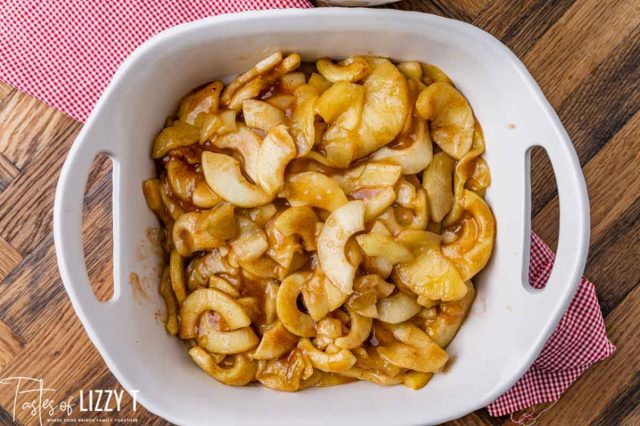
[65,52]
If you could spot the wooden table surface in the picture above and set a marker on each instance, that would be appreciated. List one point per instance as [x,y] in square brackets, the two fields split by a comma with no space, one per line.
[585,54]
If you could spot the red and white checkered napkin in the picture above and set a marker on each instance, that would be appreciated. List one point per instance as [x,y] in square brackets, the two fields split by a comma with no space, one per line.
[579,341]
[65,53]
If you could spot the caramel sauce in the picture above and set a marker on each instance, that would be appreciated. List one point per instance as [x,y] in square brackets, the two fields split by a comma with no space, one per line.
[290,367]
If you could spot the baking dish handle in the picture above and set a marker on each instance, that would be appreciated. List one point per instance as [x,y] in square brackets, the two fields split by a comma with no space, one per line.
[574,226]
[67,222]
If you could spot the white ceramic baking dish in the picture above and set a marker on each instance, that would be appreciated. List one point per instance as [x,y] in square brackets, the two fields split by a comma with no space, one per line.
[509,322]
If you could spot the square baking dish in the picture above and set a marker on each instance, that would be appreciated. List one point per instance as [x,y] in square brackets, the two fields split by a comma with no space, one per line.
[509,322]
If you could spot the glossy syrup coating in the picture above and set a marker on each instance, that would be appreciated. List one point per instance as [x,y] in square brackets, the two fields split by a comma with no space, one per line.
[323,221]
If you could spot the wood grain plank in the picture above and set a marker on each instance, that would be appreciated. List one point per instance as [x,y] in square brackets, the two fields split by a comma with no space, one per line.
[633,418]
[9,258]
[477,418]
[621,406]
[469,9]
[5,90]
[614,261]
[28,127]
[97,237]
[100,171]
[8,172]
[34,287]
[7,419]
[612,182]
[588,397]
[464,10]
[10,345]
[597,109]
[417,5]
[540,161]
[31,290]
[520,24]
[578,42]
[63,356]
[26,204]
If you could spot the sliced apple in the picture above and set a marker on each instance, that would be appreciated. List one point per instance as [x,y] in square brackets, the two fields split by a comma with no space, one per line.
[338,361]
[397,308]
[416,240]
[438,182]
[179,135]
[275,342]
[212,338]
[432,74]
[359,330]
[315,190]
[337,99]
[385,106]
[356,69]
[247,143]
[302,221]
[415,350]
[195,231]
[286,374]
[189,185]
[376,200]
[411,69]
[228,342]
[319,82]
[153,195]
[303,118]
[338,228]
[374,244]
[201,268]
[251,243]
[224,286]
[251,90]
[170,301]
[177,275]
[432,275]
[262,267]
[297,322]
[320,296]
[204,101]
[367,176]
[452,121]
[262,67]
[450,317]
[290,82]
[223,175]
[209,299]
[276,151]
[240,373]
[229,124]
[415,157]
[261,115]
[283,102]
[203,196]
[472,248]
